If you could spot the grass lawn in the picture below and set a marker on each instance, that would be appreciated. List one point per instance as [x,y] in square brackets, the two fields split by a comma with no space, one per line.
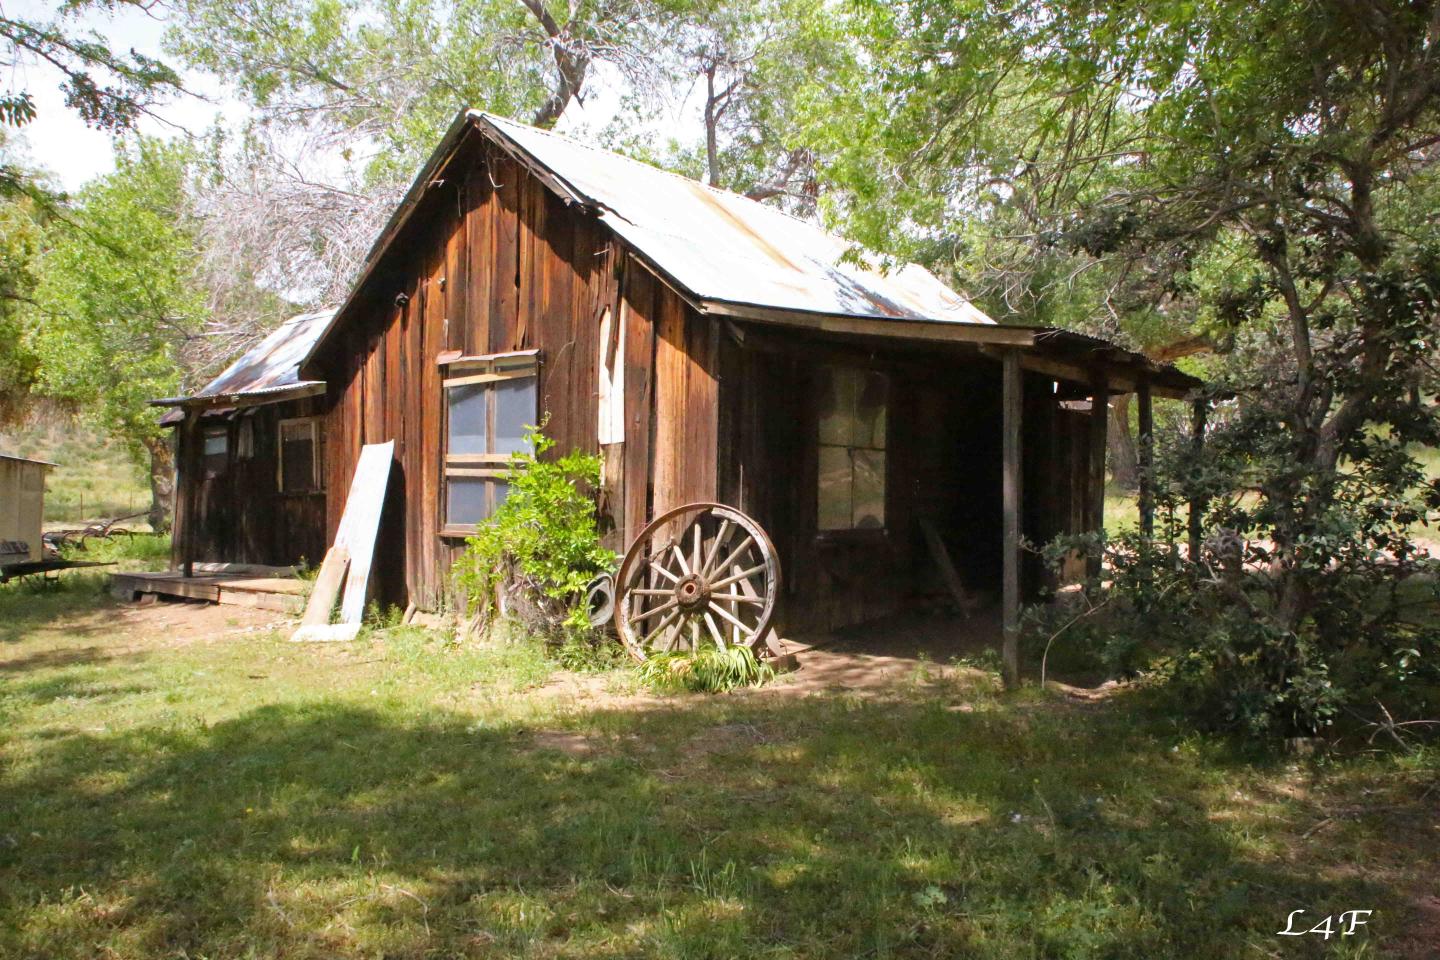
[180,781]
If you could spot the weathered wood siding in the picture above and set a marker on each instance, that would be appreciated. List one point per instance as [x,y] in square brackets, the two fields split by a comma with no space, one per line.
[240,515]
[493,261]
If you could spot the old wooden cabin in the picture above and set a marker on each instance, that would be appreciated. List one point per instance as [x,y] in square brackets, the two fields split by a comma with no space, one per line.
[707,346]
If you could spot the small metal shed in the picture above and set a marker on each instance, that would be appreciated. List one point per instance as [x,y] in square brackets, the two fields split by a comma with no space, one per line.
[22,508]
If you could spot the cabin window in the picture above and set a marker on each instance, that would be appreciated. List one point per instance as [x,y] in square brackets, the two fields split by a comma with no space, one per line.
[490,405]
[851,476]
[298,466]
[215,451]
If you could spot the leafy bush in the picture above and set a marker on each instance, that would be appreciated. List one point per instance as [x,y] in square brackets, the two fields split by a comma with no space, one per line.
[709,669]
[540,549]
[1342,625]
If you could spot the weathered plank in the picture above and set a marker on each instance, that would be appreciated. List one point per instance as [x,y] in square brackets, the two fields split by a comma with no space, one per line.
[1011,506]
[361,523]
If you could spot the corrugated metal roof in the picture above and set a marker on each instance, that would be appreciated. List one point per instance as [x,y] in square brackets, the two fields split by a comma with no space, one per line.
[273,364]
[721,246]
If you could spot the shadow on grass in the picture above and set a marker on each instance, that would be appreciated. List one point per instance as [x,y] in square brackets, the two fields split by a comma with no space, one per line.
[32,604]
[709,827]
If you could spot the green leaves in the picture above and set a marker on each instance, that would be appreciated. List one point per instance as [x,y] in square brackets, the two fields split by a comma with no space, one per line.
[117,304]
[543,540]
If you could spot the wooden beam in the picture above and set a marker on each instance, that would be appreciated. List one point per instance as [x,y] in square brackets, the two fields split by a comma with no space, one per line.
[932,330]
[1198,415]
[190,460]
[1118,380]
[1099,422]
[1011,476]
[1146,449]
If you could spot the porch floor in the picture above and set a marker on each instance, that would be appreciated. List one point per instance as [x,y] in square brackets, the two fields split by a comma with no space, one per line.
[266,590]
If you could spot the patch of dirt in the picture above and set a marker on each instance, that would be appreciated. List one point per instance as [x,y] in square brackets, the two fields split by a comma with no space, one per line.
[563,741]
[180,623]
[829,671]
[133,630]
[1419,942]
[594,690]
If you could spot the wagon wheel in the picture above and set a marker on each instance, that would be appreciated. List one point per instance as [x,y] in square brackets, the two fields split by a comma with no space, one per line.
[701,572]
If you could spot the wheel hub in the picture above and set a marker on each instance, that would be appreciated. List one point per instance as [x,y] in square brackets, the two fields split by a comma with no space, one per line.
[692,591]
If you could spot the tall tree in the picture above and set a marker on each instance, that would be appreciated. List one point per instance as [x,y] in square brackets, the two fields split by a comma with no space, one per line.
[22,228]
[109,89]
[1279,155]
[117,317]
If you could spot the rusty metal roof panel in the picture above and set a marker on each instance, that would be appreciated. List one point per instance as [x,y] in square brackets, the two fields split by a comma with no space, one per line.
[721,246]
[273,364]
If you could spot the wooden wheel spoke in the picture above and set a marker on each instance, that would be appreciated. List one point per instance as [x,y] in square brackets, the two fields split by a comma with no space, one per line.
[659,568]
[714,630]
[680,559]
[721,536]
[744,545]
[734,577]
[647,592]
[661,608]
[663,627]
[722,612]
[736,598]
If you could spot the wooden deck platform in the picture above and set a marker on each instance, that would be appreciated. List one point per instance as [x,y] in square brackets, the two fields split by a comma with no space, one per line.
[268,589]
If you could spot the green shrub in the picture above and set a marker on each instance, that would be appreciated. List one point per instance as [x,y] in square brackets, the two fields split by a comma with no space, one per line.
[540,548]
[709,669]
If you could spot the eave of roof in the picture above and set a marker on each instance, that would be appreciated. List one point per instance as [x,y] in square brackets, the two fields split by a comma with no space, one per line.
[19,459]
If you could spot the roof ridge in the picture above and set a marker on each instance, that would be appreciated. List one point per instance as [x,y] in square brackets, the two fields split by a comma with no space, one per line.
[719,191]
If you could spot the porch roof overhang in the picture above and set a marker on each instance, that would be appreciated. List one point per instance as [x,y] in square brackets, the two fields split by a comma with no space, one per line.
[1062,354]
[230,401]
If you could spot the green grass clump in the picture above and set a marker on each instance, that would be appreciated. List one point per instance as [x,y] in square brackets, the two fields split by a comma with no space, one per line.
[709,669]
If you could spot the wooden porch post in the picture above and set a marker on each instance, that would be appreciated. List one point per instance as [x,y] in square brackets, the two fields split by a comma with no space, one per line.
[1099,421]
[1147,458]
[1010,498]
[1197,503]
[186,478]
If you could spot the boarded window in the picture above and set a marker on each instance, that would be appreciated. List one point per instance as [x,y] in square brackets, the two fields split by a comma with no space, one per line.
[215,447]
[245,437]
[299,463]
[852,426]
[491,404]
[612,380]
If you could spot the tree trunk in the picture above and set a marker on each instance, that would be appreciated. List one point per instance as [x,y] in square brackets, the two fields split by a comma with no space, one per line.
[162,483]
[1124,463]
[712,121]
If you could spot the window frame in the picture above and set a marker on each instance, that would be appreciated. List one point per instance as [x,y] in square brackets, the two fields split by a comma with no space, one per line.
[208,471]
[852,532]
[317,473]
[487,370]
